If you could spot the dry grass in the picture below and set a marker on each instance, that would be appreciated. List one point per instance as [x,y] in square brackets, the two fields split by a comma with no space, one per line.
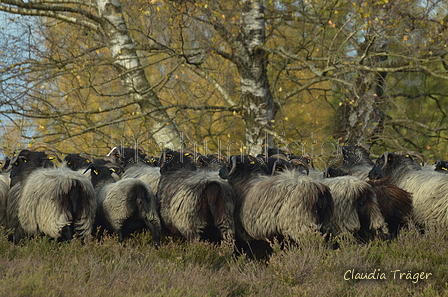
[41,267]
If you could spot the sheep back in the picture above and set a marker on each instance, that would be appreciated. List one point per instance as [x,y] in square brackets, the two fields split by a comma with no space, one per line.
[429,196]
[191,201]
[129,205]
[355,207]
[148,174]
[286,205]
[55,198]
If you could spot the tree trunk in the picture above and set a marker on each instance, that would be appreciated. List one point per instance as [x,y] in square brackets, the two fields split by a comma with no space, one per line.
[134,81]
[251,61]
[359,119]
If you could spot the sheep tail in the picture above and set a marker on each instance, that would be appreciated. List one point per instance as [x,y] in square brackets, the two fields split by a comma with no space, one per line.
[325,208]
[144,197]
[215,209]
[73,203]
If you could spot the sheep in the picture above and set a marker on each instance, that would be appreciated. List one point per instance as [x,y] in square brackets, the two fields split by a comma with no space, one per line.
[284,205]
[429,189]
[210,161]
[137,164]
[125,206]
[194,204]
[81,161]
[356,209]
[395,204]
[52,201]
[441,166]
[19,169]
[4,187]
[356,162]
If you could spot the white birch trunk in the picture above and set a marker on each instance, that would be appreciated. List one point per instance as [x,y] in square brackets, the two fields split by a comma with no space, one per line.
[256,95]
[134,80]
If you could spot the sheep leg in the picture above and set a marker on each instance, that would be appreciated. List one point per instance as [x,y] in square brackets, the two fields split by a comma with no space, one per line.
[67,233]
[120,236]
[155,234]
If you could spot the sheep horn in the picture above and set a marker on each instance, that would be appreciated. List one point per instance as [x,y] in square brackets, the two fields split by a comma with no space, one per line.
[297,163]
[10,164]
[39,145]
[412,153]
[86,156]
[280,156]
[114,150]
[50,153]
[386,155]
[274,166]
[91,166]
[233,162]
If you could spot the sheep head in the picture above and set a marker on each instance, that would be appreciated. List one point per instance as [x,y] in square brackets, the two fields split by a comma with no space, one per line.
[100,173]
[301,165]
[335,172]
[175,160]
[27,161]
[441,166]
[389,162]
[78,161]
[356,155]
[305,158]
[241,165]
[127,155]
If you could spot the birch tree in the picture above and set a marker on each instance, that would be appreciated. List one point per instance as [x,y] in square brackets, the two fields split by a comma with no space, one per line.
[259,108]
[260,73]
[107,23]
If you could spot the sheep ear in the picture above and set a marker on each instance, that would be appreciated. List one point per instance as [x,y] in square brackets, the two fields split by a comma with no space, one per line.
[162,160]
[252,159]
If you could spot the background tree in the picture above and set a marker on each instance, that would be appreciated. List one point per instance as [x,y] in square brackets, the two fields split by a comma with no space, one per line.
[233,75]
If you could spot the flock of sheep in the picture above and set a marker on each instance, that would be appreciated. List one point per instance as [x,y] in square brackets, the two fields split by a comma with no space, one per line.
[247,200]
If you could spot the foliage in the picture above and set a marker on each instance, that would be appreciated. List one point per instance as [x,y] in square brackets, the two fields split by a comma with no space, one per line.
[339,71]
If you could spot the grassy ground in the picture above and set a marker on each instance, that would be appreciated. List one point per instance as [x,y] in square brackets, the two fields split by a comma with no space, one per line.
[42,267]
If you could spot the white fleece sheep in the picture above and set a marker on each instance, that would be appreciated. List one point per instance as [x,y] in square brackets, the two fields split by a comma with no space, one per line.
[57,202]
[129,205]
[287,204]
